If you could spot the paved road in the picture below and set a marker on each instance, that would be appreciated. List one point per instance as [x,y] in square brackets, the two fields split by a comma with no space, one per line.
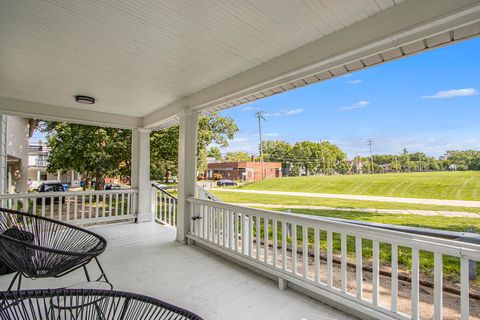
[372,210]
[441,202]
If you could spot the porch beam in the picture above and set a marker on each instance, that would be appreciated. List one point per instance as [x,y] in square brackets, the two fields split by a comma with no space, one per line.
[405,23]
[187,170]
[43,111]
[140,173]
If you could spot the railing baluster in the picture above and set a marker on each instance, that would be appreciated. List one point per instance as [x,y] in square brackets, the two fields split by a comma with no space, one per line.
[52,207]
[257,222]
[343,264]
[265,239]
[231,233]
[275,241]
[236,219]
[244,234]
[305,251]
[83,207]
[60,206]
[329,259]
[358,266]
[438,286]
[90,204]
[104,205]
[128,203]
[375,272]
[464,288]
[316,253]
[294,248]
[284,246]
[75,208]
[415,288]
[110,201]
[394,279]
[250,235]
[97,207]
[122,208]
[67,200]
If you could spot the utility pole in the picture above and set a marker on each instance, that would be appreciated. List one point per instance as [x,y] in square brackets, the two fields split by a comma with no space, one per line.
[260,116]
[370,142]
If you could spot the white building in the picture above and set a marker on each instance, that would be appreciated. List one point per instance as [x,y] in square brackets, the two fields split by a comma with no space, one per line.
[37,167]
[15,132]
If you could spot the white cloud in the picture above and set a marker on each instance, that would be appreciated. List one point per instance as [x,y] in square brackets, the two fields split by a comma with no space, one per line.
[250,108]
[357,81]
[358,105]
[453,93]
[285,112]
[272,134]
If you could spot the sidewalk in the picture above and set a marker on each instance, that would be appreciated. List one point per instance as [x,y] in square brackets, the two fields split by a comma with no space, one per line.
[441,202]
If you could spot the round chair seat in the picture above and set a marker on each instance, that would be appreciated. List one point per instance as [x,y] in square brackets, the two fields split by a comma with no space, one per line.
[67,302]
[91,304]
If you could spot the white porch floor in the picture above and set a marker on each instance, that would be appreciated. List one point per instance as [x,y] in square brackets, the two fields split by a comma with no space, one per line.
[145,258]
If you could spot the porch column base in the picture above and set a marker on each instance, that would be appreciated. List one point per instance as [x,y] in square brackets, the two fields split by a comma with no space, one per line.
[144,217]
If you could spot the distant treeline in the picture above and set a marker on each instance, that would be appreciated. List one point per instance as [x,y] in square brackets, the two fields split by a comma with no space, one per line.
[314,158]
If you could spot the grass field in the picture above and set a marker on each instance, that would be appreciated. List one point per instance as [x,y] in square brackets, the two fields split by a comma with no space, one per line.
[236,197]
[460,185]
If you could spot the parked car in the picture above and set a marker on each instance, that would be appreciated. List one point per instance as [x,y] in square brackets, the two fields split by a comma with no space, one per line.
[115,186]
[226,182]
[50,186]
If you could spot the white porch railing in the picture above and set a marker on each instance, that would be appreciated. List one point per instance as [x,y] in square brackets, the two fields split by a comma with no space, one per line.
[342,262]
[75,207]
[164,207]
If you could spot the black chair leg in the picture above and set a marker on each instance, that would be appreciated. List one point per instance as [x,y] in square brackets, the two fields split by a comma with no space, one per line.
[13,281]
[103,275]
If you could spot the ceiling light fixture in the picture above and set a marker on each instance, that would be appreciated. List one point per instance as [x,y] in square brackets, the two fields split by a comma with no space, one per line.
[84,99]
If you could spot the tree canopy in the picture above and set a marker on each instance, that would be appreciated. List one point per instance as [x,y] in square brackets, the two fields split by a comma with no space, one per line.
[98,152]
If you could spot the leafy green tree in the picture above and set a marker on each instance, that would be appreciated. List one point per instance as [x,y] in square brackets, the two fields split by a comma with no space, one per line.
[98,152]
[95,152]
[278,151]
[237,156]
[214,152]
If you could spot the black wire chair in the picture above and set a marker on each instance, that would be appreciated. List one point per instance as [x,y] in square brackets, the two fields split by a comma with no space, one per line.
[81,304]
[40,247]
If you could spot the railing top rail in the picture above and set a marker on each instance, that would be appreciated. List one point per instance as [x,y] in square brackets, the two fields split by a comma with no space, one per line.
[422,242]
[64,193]
[164,191]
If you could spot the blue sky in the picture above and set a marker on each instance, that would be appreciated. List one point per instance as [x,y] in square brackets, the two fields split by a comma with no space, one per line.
[428,102]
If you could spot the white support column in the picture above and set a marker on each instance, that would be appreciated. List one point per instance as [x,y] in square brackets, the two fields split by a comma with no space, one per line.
[38,175]
[187,170]
[140,172]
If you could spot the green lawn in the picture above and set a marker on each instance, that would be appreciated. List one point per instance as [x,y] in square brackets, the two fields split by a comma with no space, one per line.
[460,185]
[236,197]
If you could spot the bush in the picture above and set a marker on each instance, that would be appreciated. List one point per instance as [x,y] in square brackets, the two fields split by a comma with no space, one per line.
[217,176]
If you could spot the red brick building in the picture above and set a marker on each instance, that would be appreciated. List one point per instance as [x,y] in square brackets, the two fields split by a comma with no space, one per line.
[244,170]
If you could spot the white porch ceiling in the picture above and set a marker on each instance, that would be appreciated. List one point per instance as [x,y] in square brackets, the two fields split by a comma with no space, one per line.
[144,61]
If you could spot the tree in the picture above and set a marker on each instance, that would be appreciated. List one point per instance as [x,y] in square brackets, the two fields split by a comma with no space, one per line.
[164,144]
[214,152]
[95,152]
[237,156]
[98,152]
[278,151]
